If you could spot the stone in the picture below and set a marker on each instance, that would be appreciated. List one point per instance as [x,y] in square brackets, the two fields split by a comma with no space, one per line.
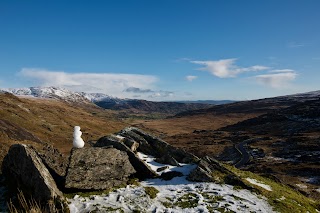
[207,169]
[162,168]
[55,162]
[133,145]
[23,169]
[168,159]
[170,175]
[143,170]
[96,168]
[155,146]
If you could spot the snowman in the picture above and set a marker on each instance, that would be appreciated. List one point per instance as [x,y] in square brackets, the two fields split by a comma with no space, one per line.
[77,140]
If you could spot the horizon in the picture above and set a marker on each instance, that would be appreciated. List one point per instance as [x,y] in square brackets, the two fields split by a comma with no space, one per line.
[162,50]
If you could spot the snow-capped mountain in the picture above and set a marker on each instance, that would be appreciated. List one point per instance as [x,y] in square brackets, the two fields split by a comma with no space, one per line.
[48,92]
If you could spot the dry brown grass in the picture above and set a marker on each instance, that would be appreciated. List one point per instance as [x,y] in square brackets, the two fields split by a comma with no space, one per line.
[52,122]
[187,124]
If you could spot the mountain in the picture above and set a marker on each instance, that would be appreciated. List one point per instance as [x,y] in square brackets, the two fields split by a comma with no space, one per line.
[143,106]
[49,93]
[107,101]
[213,102]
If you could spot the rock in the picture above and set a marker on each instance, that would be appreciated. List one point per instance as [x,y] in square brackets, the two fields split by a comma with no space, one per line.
[170,175]
[143,170]
[98,169]
[154,146]
[210,170]
[162,168]
[24,170]
[168,159]
[131,144]
[144,146]
[55,162]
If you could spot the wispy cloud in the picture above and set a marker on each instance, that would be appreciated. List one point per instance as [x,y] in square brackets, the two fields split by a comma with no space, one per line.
[191,77]
[162,94]
[296,45]
[109,83]
[278,79]
[226,68]
[138,90]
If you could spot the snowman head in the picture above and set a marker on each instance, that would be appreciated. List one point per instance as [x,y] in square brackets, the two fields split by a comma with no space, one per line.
[77,128]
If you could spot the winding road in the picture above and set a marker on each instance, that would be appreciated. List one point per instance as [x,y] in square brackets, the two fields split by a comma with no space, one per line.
[245,156]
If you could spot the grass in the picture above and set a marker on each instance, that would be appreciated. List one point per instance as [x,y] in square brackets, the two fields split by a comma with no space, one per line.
[151,191]
[293,202]
[189,200]
[24,205]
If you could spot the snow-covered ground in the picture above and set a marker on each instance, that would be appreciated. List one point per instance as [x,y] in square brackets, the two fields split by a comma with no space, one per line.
[176,195]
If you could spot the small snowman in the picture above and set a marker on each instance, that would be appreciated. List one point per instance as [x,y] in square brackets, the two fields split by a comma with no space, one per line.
[77,140]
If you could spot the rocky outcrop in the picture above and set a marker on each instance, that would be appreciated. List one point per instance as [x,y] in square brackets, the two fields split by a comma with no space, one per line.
[143,170]
[154,146]
[98,169]
[210,170]
[24,170]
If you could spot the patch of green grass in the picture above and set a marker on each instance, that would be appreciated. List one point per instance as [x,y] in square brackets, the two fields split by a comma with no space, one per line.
[133,181]
[110,209]
[151,191]
[218,176]
[293,202]
[189,200]
[167,204]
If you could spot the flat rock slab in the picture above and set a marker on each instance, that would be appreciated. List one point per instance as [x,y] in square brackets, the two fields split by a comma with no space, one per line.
[96,168]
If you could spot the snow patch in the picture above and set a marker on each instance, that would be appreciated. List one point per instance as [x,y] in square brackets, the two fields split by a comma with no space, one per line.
[175,195]
[258,183]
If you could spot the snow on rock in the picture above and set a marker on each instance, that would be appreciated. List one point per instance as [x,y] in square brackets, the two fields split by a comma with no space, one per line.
[175,195]
[77,140]
[257,183]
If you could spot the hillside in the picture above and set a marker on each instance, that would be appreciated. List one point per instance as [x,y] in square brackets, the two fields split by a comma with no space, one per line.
[280,136]
[44,121]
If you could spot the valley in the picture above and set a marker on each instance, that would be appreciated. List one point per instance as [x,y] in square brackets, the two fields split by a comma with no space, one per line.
[277,138]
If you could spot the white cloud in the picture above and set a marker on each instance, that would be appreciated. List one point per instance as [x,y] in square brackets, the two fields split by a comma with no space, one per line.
[282,71]
[191,77]
[109,83]
[226,68]
[162,94]
[277,79]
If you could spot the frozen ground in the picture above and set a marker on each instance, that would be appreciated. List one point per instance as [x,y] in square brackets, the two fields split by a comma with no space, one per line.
[176,195]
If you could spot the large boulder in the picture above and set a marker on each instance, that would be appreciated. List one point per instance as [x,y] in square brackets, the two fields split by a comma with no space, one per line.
[98,169]
[24,170]
[155,146]
[143,170]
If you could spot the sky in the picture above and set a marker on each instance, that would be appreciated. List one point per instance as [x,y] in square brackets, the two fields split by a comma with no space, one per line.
[162,50]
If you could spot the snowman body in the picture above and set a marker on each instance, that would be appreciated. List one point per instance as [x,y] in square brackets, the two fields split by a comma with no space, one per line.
[77,140]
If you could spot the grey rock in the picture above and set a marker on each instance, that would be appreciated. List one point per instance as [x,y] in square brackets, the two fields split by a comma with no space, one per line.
[23,169]
[168,159]
[98,169]
[208,167]
[170,175]
[152,145]
[143,170]
[55,162]
[133,145]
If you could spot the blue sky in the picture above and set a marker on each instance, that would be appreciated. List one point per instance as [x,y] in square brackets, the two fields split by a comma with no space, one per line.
[163,50]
